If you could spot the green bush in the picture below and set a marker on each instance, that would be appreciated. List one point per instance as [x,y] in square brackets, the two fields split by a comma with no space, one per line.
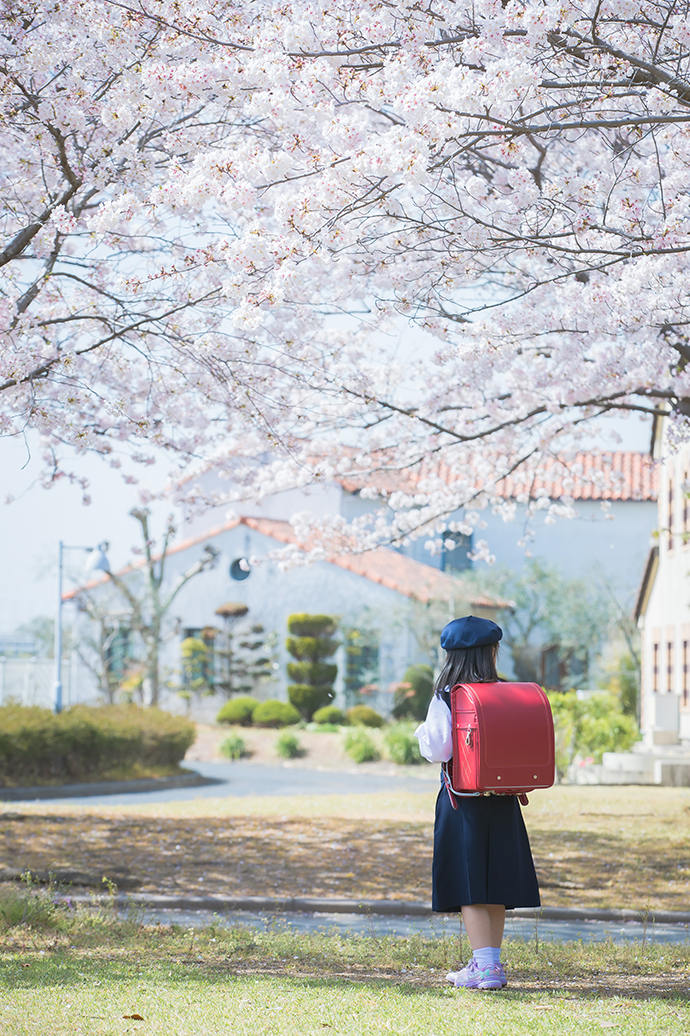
[288,746]
[413,694]
[360,747]
[590,727]
[238,710]
[364,716]
[329,714]
[85,743]
[402,746]
[274,713]
[234,747]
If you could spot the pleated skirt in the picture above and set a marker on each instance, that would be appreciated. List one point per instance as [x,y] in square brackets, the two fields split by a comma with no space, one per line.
[482,854]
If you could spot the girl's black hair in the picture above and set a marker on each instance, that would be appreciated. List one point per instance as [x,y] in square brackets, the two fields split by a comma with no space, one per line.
[468,665]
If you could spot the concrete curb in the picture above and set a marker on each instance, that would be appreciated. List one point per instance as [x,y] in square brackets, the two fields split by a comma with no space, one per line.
[386,907]
[68,791]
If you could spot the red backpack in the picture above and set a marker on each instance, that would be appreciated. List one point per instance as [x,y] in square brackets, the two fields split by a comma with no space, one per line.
[502,740]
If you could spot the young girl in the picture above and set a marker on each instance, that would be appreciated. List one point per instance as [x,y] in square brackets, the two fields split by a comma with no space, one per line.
[482,858]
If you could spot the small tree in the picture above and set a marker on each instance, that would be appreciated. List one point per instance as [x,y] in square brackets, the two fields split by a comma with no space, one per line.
[311,643]
[557,626]
[147,603]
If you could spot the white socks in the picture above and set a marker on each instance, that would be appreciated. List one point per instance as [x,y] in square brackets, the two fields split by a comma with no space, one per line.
[484,957]
[487,956]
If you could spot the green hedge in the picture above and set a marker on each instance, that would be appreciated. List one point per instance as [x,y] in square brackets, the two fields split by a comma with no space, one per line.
[364,716]
[85,743]
[329,714]
[238,710]
[273,713]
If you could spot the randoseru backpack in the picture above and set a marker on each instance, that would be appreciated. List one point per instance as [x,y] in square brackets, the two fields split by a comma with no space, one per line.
[502,740]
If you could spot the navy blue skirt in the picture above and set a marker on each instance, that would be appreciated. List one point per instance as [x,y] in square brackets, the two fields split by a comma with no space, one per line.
[482,854]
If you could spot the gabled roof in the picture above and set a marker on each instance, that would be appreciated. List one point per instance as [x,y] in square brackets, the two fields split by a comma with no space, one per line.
[388,568]
[383,566]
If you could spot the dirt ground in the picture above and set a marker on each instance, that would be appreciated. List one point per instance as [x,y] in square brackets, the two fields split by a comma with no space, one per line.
[596,847]
[319,751]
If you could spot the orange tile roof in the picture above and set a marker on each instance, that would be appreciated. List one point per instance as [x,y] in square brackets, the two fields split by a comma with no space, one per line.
[389,568]
[623,475]
[618,475]
[384,566]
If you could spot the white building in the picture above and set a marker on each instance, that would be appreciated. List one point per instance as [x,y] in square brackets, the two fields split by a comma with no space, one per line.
[374,595]
[663,606]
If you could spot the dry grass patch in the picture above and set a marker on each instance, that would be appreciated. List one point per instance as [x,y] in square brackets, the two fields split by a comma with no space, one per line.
[597,847]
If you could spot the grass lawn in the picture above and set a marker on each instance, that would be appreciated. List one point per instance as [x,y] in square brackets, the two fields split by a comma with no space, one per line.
[68,973]
[593,846]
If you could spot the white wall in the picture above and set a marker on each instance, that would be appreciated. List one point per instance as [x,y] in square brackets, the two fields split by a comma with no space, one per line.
[667,618]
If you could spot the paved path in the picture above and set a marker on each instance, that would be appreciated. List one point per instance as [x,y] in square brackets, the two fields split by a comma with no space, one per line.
[240,779]
[358,924]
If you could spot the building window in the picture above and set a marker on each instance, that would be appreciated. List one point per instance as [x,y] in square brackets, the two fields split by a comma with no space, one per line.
[655,670]
[455,559]
[669,665]
[361,664]
[670,512]
[686,690]
[117,652]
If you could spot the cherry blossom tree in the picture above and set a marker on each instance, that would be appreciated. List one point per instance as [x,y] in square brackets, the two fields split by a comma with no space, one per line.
[216,216]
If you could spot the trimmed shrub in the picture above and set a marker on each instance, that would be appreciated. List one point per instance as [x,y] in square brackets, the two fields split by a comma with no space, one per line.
[238,710]
[413,695]
[329,714]
[234,747]
[85,742]
[311,648]
[315,673]
[311,642]
[288,746]
[308,699]
[364,716]
[402,746]
[274,713]
[303,625]
[360,747]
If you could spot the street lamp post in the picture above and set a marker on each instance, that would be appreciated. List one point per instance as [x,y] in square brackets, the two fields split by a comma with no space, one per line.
[97,561]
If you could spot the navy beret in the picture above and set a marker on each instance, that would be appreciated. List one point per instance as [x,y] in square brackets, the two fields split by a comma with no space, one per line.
[469,632]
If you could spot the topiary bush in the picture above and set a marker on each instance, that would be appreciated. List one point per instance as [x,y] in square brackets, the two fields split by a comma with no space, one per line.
[364,716]
[288,746]
[311,641]
[402,746]
[360,747]
[85,743]
[329,714]
[413,694]
[274,713]
[238,710]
